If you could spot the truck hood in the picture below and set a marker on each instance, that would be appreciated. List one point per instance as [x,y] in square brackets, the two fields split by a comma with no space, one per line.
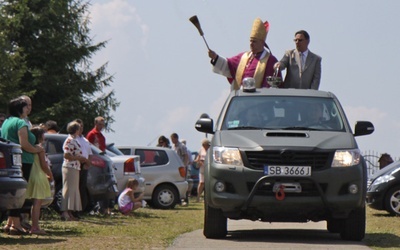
[257,139]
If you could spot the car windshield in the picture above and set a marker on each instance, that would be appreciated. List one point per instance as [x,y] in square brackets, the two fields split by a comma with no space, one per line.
[282,112]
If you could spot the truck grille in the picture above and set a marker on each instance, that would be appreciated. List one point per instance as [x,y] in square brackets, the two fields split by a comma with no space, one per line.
[317,160]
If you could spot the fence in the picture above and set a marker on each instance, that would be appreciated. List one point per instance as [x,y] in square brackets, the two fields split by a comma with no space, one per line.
[372,157]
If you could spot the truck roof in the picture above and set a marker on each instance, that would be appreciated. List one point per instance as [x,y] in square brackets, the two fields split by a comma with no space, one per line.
[285,92]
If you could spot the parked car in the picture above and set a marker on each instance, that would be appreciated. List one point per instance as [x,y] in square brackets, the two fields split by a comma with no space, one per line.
[12,184]
[125,167]
[384,189]
[284,155]
[164,174]
[101,181]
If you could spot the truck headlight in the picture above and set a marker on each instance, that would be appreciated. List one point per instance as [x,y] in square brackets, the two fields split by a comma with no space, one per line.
[230,156]
[346,158]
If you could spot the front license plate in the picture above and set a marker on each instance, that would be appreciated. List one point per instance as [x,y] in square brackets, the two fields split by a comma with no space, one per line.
[287,170]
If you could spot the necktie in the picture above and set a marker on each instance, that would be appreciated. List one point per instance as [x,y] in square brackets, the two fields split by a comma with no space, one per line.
[303,61]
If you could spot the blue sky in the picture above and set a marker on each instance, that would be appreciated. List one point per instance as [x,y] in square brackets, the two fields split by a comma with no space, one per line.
[164,81]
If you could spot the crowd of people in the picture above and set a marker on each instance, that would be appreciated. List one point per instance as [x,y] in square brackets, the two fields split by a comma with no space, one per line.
[77,153]
[17,128]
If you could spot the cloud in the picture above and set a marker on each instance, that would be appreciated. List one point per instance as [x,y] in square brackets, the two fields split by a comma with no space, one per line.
[363,113]
[387,128]
[118,16]
[113,13]
[216,106]
[173,120]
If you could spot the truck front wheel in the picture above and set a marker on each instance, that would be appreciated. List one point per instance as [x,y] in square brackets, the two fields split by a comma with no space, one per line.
[354,226]
[334,225]
[215,223]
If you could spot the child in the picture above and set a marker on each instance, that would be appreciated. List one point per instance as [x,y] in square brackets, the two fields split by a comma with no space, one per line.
[38,185]
[126,200]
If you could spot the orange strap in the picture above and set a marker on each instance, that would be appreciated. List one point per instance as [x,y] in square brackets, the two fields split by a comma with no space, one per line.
[280,194]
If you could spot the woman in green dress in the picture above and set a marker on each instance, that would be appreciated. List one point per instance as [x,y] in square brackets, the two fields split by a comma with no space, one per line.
[16,130]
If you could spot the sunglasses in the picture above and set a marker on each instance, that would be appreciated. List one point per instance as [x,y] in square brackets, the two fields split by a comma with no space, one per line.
[298,40]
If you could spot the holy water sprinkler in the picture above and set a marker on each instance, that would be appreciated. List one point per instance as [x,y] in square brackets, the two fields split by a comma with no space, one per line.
[196,23]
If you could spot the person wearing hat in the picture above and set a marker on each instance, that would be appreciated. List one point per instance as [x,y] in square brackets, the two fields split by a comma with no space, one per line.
[303,68]
[205,145]
[385,160]
[257,63]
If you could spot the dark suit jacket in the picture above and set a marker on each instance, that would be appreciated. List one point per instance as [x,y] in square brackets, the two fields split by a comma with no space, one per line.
[311,75]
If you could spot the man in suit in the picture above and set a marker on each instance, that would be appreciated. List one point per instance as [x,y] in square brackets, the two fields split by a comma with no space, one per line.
[303,68]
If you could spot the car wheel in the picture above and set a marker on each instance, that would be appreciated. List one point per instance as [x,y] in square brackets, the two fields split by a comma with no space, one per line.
[84,200]
[334,225]
[3,216]
[56,205]
[215,223]
[354,226]
[392,201]
[165,197]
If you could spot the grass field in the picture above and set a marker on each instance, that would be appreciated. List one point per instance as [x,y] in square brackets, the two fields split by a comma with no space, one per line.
[383,230]
[156,229]
[147,228]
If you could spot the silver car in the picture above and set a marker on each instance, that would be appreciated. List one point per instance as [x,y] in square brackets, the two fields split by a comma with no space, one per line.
[126,167]
[164,174]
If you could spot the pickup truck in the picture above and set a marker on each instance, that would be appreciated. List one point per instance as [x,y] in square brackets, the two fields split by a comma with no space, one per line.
[284,155]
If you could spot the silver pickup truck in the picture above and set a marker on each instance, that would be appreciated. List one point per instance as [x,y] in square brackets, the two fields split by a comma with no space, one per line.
[284,155]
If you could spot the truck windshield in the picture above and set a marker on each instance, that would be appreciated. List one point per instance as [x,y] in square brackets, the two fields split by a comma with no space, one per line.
[282,112]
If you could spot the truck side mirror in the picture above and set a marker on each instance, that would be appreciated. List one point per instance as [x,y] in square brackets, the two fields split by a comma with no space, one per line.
[363,128]
[205,125]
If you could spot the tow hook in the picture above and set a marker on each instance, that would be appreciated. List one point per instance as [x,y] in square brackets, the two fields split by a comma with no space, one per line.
[280,193]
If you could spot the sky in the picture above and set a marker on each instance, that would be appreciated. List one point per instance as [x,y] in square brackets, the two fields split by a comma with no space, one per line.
[163,77]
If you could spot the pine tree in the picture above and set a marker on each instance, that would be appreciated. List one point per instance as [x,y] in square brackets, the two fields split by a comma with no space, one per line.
[45,54]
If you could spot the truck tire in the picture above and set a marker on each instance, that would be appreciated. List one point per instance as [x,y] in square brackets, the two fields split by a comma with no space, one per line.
[215,223]
[354,226]
[392,201]
[334,225]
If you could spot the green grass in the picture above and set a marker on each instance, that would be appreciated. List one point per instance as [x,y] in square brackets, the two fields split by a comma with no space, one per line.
[147,228]
[156,229]
[383,230]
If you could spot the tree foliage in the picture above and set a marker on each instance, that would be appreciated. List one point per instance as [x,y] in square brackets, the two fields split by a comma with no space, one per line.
[46,54]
